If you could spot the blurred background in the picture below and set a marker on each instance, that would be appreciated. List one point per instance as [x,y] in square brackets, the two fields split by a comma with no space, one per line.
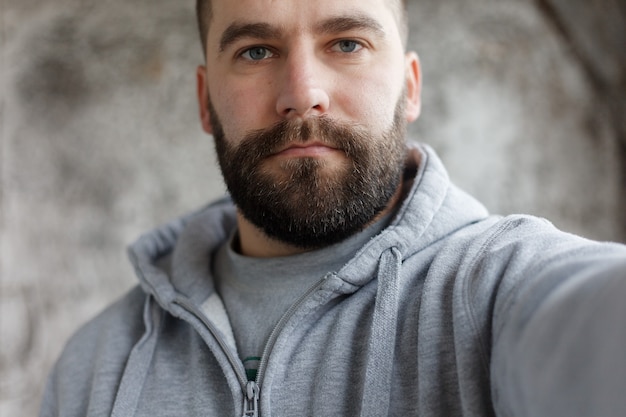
[100,139]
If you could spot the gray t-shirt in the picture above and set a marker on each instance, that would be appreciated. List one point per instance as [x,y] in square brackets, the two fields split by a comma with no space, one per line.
[258,291]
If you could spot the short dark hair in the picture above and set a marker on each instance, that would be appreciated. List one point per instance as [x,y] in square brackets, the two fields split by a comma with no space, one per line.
[204,14]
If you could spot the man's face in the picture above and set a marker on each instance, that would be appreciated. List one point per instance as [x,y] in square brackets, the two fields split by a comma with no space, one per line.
[308,103]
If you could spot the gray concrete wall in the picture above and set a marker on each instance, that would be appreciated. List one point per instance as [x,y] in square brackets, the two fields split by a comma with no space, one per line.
[100,140]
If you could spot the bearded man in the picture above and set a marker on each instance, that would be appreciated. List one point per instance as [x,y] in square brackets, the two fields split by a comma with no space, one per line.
[344,275]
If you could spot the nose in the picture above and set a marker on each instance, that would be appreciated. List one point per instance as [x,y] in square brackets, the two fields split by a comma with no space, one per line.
[302,92]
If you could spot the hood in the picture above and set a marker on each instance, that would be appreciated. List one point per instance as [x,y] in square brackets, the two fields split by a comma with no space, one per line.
[432,209]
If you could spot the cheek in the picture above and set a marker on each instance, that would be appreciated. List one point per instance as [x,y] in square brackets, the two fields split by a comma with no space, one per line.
[241,107]
[371,98]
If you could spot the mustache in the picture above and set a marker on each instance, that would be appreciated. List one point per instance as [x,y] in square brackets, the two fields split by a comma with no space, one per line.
[345,136]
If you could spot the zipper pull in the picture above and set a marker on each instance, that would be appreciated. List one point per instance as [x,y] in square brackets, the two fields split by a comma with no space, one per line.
[251,400]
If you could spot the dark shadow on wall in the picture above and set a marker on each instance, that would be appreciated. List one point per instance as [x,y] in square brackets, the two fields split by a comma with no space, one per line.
[595,32]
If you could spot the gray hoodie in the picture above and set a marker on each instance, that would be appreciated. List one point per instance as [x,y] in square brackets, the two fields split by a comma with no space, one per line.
[447,312]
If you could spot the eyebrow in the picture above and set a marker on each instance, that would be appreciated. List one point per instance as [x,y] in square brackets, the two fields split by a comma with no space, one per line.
[339,24]
[237,31]
[347,23]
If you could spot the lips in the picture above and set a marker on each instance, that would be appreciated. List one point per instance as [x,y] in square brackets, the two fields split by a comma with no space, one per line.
[319,137]
[311,149]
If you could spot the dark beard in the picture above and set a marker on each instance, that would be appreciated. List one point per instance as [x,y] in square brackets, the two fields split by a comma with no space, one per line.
[309,205]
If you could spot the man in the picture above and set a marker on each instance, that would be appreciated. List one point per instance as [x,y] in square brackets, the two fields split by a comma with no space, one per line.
[347,276]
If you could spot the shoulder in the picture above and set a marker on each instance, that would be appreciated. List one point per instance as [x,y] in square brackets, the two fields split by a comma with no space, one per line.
[94,358]
[120,321]
[522,260]
[522,239]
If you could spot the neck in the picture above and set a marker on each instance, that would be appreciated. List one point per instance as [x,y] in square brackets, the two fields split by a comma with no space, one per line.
[255,243]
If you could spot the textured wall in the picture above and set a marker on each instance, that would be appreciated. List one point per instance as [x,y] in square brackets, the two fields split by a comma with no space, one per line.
[100,140]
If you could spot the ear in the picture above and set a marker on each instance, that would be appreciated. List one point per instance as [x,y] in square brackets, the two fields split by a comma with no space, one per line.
[413,86]
[203,99]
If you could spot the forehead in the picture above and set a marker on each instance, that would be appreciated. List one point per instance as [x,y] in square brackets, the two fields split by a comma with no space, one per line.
[296,16]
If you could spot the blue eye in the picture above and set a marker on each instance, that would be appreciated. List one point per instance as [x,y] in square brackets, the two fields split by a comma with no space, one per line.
[257,53]
[348,46]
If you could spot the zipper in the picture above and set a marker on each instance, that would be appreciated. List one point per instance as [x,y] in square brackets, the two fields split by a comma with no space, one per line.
[251,400]
[234,361]
[251,389]
[269,346]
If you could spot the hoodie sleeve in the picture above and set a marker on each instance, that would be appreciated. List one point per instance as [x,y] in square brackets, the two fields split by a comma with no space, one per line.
[559,329]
